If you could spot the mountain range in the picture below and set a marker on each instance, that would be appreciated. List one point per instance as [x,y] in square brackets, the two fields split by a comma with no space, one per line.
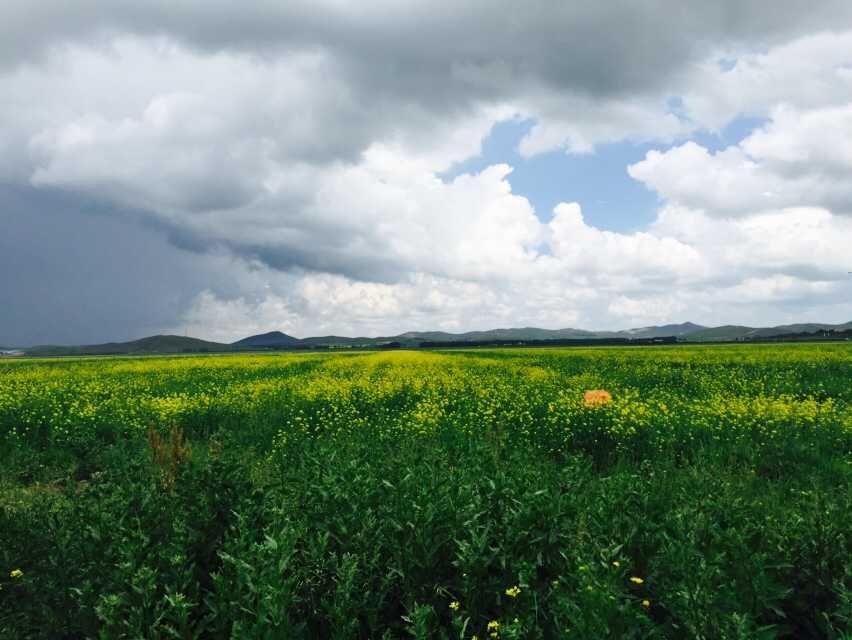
[276,340]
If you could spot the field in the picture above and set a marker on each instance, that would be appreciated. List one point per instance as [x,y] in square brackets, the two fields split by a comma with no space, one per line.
[465,494]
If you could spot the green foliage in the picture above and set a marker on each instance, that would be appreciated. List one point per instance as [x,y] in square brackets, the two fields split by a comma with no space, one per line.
[423,495]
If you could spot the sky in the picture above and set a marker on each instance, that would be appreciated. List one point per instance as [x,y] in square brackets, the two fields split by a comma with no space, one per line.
[220,169]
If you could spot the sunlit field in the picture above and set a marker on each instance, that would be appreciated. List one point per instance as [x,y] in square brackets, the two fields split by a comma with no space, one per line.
[461,494]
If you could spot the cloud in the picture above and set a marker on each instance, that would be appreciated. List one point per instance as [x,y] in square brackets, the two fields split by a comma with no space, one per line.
[577,124]
[800,158]
[585,249]
[687,266]
[813,71]
[71,273]
[292,157]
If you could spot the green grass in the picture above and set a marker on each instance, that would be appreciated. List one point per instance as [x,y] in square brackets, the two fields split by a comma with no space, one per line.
[361,495]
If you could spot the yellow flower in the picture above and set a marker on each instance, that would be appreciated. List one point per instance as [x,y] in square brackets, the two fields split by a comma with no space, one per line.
[616,564]
[646,603]
[636,580]
[16,573]
[454,605]
[513,592]
[493,625]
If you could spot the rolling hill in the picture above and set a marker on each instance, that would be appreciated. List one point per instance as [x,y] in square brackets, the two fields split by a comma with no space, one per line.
[739,332]
[271,340]
[152,344]
[276,340]
[677,330]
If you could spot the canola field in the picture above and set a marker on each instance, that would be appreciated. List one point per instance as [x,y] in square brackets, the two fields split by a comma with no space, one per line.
[702,492]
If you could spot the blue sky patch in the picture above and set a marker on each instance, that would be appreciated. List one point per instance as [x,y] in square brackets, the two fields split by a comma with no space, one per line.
[599,181]
[610,198]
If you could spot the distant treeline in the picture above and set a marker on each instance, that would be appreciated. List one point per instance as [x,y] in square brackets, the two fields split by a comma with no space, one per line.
[558,342]
[561,342]
[821,336]
[114,349]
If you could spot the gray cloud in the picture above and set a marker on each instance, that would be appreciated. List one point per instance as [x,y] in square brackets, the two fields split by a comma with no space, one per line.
[72,272]
[297,145]
[611,47]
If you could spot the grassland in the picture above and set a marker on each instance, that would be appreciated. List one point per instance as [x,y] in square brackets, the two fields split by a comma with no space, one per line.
[429,495]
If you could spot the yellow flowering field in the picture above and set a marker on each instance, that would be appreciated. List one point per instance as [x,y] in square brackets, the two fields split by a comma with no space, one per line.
[671,492]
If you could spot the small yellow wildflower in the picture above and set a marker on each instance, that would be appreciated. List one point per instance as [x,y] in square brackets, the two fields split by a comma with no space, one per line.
[16,573]
[454,605]
[493,625]
[616,564]
[636,580]
[646,603]
[513,592]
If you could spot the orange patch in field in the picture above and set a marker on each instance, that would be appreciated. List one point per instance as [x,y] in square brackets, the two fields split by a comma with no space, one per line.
[596,398]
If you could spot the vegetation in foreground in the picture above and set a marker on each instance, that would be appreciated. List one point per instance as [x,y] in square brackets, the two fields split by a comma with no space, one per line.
[425,495]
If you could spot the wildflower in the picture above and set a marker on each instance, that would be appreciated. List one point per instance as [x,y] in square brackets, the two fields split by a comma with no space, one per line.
[16,573]
[596,398]
[513,592]
[616,564]
[636,580]
[493,625]
[454,605]
[646,603]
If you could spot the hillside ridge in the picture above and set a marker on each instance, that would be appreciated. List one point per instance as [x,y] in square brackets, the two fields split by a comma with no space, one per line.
[276,340]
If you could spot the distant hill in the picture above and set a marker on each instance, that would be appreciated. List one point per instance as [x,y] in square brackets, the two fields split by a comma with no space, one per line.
[725,332]
[524,333]
[533,333]
[271,340]
[688,331]
[799,328]
[677,330]
[414,338]
[341,341]
[152,344]
[739,332]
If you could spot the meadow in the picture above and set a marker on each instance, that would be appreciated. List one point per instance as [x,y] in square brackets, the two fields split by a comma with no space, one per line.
[457,494]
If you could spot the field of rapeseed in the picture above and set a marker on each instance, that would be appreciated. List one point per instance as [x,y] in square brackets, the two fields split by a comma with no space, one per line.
[681,492]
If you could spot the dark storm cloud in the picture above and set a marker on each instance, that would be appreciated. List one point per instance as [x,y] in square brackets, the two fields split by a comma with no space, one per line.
[72,272]
[603,48]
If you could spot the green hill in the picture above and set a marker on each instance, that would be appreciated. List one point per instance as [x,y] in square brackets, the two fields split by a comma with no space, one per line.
[739,332]
[271,340]
[686,331]
[725,332]
[152,344]
[662,331]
